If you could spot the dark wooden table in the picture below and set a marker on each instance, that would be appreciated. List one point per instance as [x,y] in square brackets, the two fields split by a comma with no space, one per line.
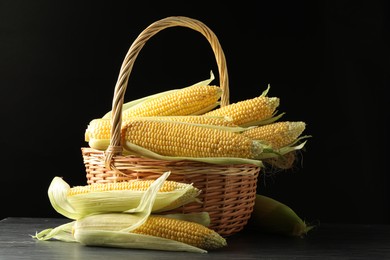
[327,241]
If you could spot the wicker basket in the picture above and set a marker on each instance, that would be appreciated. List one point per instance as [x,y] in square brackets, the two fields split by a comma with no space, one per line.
[228,191]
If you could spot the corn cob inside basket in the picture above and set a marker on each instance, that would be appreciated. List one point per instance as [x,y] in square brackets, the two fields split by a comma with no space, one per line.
[242,132]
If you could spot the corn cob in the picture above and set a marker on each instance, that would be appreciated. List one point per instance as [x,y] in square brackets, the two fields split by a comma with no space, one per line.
[100,128]
[79,201]
[276,135]
[182,231]
[249,112]
[193,100]
[187,140]
[132,103]
[272,216]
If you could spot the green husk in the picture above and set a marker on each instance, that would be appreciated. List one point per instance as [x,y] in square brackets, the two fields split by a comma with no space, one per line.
[272,216]
[268,152]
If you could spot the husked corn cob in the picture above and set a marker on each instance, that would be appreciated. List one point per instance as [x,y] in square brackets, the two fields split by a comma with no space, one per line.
[277,135]
[188,140]
[248,112]
[183,231]
[100,128]
[186,101]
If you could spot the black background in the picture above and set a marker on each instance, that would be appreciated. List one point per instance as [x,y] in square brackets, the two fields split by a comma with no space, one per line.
[328,62]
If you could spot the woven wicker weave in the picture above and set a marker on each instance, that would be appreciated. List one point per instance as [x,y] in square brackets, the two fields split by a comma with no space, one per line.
[228,191]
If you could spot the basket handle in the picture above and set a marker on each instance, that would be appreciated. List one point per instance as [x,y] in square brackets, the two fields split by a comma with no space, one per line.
[115,147]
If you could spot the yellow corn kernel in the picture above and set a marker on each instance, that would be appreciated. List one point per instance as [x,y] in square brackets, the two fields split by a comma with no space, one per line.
[186,101]
[188,140]
[249,111]
[277,135]
[182,231]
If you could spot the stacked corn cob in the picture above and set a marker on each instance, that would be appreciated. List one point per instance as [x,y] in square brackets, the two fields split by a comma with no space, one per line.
[187,124]
[126,215]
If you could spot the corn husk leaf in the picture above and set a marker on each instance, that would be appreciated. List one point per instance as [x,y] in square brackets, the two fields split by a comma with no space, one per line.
[120,239]
[268,152]
[123,200]
[265,92]
[62,232]
[58,197]
[205,82]
[77,206]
